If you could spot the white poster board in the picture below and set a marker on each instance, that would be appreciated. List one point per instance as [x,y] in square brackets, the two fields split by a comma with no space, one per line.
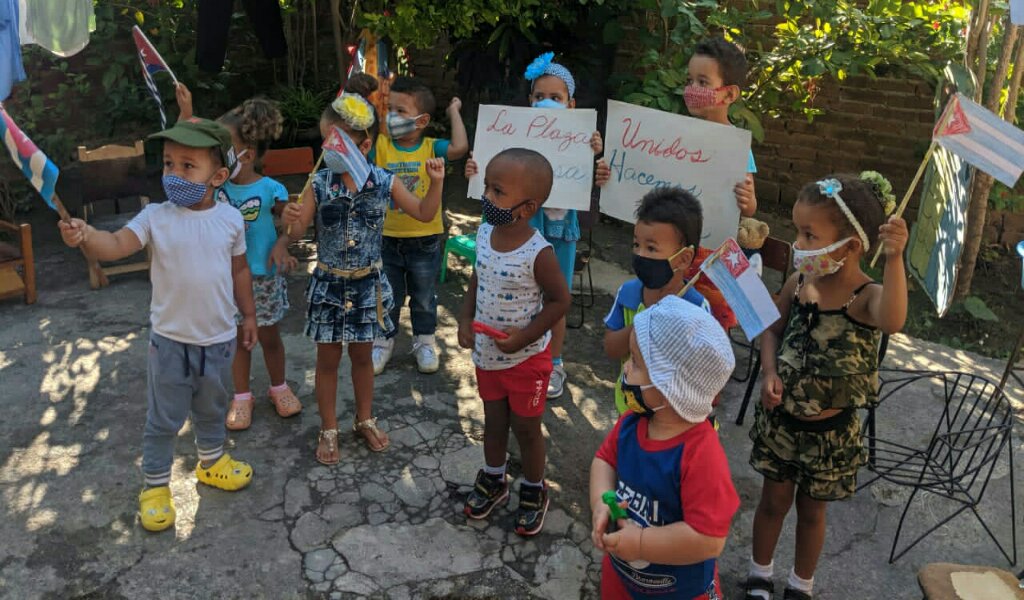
[648,148]
[561,135]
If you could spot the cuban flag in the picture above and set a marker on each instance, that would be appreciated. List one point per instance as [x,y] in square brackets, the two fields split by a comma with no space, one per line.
[36,167]
[152,63]
[981,138]
[730,271]
[343,156]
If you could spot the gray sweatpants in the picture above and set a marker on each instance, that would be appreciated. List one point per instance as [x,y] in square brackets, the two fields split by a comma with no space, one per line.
[184,380]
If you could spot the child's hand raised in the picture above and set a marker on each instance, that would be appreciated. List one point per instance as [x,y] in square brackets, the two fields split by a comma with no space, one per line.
[455,105]
[466,334]
[625,541]
[596,143]
[471,167]
[893,236]
[602,173]
[73,232]
[745,198]
[771,390]
[184,98]
[291,214]
[435,169]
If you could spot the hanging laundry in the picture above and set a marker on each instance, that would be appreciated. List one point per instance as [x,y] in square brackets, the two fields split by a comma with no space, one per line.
[215,22]
[11,69]
[60,26]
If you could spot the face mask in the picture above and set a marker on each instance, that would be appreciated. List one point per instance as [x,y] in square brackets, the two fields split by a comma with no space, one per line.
[818,263]
[182,192]
[497,216]
[654,273]
[399,126]
[634,397]
[236,159]
[697,97]
[548,103]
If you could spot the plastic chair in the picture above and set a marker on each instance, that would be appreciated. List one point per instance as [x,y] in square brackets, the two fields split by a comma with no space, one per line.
[15,258]
[459,245]
[775,256]
[957,462]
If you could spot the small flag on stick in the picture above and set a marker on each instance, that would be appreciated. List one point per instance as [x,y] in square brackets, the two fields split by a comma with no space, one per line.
[34,165]
[980,137]
[339,147]
[730,271]
[152,63]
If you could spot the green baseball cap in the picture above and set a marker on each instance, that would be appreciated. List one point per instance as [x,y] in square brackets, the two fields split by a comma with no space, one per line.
[201,133]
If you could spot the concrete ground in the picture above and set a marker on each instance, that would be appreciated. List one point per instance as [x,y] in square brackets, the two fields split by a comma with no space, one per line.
[388,525]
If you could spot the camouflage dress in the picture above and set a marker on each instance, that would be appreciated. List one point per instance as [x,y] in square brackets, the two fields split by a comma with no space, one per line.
[827,360]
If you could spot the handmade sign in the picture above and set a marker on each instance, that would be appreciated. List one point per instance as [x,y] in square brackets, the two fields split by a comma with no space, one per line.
[562,136]
[648,148]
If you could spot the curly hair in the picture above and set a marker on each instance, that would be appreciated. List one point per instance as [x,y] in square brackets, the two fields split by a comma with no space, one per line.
[676,207]
[363,85]
[257,122]
[861,197]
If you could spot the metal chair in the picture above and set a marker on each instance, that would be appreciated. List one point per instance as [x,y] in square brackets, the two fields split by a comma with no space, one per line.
[958,460]
[583,293]
[775,256]
[1012,368]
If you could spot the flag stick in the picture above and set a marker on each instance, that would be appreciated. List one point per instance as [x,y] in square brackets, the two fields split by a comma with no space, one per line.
[707,261]
[309,182]
[93,264]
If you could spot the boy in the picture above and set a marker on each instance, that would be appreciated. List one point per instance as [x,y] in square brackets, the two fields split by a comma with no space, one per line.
[665,464]
[412,250]
[199,274]
[517,288]
[716,76]
[667,231]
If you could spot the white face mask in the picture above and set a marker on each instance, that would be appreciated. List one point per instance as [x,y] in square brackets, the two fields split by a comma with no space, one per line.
[818,263]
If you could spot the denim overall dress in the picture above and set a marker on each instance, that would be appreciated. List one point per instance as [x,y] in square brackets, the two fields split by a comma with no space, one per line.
[349,295]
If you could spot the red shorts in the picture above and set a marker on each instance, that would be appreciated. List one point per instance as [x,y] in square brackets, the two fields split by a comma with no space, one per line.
[525,385]
[612,587]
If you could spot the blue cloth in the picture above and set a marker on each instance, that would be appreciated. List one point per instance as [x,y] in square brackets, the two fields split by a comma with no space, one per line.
[255,201]
[630,297]
[751,164]
[567,229]
[411,266]
[440,150]
[11,69]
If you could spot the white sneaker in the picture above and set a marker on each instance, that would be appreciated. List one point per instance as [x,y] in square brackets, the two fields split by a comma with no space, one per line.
[425,350]
[382,354]
[556,385]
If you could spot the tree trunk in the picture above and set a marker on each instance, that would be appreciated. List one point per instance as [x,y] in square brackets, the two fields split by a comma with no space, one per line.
[339,45]
[1010,112]
[978,207]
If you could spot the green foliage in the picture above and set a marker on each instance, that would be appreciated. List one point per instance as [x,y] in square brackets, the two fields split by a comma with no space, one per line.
[977,308]
[1006,199]
[301,107]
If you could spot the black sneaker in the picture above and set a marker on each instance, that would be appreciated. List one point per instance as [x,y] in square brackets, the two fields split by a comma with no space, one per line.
[791,594]
[766,587]
[533,505]
[488,492]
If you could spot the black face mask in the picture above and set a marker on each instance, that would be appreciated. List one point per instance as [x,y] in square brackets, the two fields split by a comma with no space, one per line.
[654,273]
[633,394]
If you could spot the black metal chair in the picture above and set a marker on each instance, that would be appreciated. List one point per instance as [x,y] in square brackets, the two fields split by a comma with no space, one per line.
[957,461]
[775,256]
[583,281]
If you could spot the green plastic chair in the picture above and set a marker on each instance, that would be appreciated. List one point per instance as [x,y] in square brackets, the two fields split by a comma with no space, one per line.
[460,245]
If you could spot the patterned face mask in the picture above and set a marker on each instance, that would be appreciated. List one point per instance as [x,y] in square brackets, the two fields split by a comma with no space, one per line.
[399,126]
[697,97]
[634,396]
[182,192]
[497,216]
[818,263]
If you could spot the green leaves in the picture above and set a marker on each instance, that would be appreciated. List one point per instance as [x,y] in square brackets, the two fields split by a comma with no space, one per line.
[977,308]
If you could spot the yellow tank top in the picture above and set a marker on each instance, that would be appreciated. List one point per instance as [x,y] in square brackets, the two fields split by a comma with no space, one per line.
[410,166]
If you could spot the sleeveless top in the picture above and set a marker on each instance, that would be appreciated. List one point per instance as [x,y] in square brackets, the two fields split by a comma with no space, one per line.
[827,359]
[507,295]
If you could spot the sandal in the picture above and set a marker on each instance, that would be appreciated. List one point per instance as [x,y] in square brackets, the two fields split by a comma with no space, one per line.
[156,509]
[240,414]
[286,403]
[328,441]
[757,588]
[369,428]
[225,474]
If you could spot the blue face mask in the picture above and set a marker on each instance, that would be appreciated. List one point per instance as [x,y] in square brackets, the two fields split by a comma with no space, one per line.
[182,192]
[497,216]
[548,103]
[399,126]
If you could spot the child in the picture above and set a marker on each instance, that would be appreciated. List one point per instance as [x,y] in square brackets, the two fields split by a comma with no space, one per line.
[665,463]
[516,287]
[412,250]
[820,364]
[716,76]
[253,125]
[200,275]
[668,226]
[348,293]
[553,86]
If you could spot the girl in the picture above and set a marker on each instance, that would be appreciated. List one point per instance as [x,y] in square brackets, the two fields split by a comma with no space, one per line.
[349,296]
[820,364]
[253,125]
[553,86]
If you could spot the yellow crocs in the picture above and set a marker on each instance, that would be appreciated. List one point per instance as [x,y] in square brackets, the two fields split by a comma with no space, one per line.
[226,474]
[156,509]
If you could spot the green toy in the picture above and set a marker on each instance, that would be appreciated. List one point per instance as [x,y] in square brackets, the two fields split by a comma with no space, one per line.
[613,505]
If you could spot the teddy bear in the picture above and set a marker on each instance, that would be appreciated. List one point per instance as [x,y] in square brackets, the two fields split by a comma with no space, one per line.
[752,233]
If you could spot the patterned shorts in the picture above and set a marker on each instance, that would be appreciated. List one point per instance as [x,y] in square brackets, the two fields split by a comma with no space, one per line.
[822,464]
[271,295]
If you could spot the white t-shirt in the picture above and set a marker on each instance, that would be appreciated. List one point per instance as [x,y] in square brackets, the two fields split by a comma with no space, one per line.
[193,290]
[507,295]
